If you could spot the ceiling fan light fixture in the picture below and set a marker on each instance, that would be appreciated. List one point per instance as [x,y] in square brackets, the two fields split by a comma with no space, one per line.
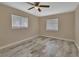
[36,7]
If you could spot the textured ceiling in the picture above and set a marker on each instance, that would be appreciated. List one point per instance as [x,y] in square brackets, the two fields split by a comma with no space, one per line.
[55,7]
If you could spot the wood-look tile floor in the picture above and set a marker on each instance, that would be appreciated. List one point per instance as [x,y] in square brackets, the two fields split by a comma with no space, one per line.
[43,47]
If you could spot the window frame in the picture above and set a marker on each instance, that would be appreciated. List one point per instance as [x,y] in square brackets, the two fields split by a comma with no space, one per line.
[53,30]
[14,26]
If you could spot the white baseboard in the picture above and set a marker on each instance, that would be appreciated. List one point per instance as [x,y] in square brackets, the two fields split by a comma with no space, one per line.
[76,45]
[18,42]
[59,38]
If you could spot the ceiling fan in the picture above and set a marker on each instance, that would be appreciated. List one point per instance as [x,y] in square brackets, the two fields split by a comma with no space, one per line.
[37,6]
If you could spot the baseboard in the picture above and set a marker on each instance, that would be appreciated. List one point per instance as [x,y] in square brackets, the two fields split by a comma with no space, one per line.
[59,38]
[6,47]
[18,42]
[76,45]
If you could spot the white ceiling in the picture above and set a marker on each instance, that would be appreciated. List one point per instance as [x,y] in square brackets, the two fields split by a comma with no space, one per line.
[55,7]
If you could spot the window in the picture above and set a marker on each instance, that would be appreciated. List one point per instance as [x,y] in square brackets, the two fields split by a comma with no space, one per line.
[19,22]
[52,25]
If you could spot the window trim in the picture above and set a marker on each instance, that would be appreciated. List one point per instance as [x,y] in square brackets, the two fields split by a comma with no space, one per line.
[20,25]
[57,25]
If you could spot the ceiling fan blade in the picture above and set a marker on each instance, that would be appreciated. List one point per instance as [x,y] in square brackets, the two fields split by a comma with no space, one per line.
[39,9]
[44,6]
[30,3]
[30,8]
[37,3]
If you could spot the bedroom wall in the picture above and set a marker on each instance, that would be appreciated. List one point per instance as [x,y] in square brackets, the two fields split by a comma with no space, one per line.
[7,34]
[66,26]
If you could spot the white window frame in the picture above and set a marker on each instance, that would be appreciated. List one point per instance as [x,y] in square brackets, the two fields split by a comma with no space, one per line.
[17,22]
[52,25]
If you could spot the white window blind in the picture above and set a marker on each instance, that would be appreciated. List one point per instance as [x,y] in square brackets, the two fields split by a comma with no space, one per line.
[52,24]
[19,22]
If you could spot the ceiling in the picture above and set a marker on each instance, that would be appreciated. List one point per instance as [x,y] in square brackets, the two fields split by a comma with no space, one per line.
[55,7]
